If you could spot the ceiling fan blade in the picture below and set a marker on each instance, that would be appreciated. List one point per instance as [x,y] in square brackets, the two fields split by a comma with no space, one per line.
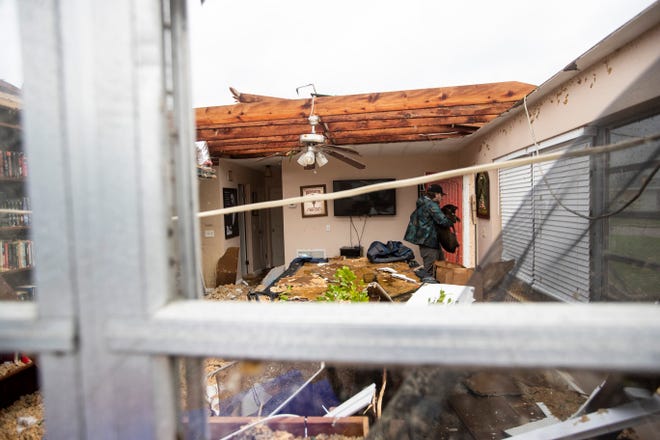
[341,149]
[270,156]
[289,153]
[345,159]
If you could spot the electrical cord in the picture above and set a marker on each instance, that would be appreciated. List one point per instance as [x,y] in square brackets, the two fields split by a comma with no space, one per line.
[357,235]
[283,404]
[579,214]
[411,181]
[274,414]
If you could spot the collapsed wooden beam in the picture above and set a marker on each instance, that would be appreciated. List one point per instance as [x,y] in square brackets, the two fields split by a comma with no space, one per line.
[365,103]
[385,135]
[454,111]
[243,132]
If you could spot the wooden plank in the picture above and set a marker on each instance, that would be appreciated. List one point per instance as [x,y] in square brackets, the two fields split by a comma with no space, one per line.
[342,137]
[255,149]
[487,417]
[366,103]
[492,384]
[489,109]
[357,426]
[234,133]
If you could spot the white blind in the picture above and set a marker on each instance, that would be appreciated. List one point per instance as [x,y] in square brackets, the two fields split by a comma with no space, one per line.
[516,206]
[550,244]
[561,245]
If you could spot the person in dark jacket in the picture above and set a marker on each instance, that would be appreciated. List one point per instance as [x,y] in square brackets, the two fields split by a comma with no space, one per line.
[423,224]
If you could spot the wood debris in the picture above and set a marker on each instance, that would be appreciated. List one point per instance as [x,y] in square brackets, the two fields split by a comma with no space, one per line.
[27,408]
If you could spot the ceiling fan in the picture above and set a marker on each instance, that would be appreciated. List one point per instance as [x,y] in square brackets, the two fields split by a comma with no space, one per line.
[314,148]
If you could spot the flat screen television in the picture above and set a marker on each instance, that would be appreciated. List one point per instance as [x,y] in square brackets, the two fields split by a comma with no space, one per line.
[371,204]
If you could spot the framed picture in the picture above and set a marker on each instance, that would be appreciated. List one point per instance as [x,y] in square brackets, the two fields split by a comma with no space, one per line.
[229,199]
[482,190]
[317,208]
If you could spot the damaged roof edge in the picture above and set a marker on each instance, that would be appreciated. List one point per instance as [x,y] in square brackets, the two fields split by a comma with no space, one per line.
[629,31]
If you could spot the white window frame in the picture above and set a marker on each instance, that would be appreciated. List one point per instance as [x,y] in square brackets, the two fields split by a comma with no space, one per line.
[104,112]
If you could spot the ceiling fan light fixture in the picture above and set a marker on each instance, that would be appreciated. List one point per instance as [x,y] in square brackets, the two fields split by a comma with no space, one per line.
[321,159]
[307,158]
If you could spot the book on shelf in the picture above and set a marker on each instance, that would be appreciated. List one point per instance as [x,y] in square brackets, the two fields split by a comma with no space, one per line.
[15,254]
[13,164]
[9,219]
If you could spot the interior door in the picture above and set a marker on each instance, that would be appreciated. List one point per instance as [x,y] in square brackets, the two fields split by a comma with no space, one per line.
[244,253]
[454,189]
[276,230]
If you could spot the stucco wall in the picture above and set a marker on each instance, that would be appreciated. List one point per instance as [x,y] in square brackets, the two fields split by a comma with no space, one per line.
[331,233]
[623,79]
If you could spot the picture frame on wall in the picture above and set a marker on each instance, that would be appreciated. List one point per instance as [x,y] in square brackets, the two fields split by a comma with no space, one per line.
[316,208]
[229,199]
[482,190]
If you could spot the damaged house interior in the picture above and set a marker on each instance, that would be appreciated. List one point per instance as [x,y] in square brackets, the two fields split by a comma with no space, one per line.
[476,261]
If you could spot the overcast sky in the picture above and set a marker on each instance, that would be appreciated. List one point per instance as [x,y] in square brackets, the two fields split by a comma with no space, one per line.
[358,46]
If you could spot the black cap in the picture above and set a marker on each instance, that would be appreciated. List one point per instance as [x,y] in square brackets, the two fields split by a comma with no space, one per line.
[436,189]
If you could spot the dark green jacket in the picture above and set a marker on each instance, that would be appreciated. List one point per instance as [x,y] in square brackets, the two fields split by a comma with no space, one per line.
[423,224]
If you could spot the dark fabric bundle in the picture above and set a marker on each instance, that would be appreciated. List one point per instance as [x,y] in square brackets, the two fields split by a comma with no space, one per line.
[386,253]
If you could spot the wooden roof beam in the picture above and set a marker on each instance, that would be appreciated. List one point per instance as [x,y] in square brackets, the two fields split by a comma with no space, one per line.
[339,137]
[366,103]
[229,132]
[454,111]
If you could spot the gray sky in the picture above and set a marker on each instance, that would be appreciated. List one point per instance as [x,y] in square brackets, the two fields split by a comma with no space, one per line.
[344,47]
[360,46]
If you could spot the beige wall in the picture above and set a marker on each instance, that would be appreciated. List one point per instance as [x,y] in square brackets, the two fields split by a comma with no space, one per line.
[331,233]
[210,197]
[625,78]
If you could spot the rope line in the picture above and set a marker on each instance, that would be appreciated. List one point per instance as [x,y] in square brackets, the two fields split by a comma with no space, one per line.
[413,181]
[572,211]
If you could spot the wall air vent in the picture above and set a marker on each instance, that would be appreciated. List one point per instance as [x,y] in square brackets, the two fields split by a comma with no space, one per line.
[313,253]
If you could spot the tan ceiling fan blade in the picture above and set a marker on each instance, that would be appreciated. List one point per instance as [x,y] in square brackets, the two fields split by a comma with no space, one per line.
[341,149]
[345,159]
[280,154]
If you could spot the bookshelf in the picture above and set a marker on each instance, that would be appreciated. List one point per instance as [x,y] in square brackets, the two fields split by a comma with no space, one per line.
[16,256]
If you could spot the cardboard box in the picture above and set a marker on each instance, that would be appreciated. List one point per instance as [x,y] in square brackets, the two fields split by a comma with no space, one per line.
[444,270]
[485,279]
[452,273]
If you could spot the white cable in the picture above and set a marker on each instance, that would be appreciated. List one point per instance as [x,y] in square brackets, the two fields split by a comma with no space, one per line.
[559,202]
[414,181]
[283,404]
[274,414]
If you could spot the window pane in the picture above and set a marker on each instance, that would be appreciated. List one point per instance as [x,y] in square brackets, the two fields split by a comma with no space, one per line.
[348,401]
[18,373]
[15,219]
[633,236]
[585,229]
